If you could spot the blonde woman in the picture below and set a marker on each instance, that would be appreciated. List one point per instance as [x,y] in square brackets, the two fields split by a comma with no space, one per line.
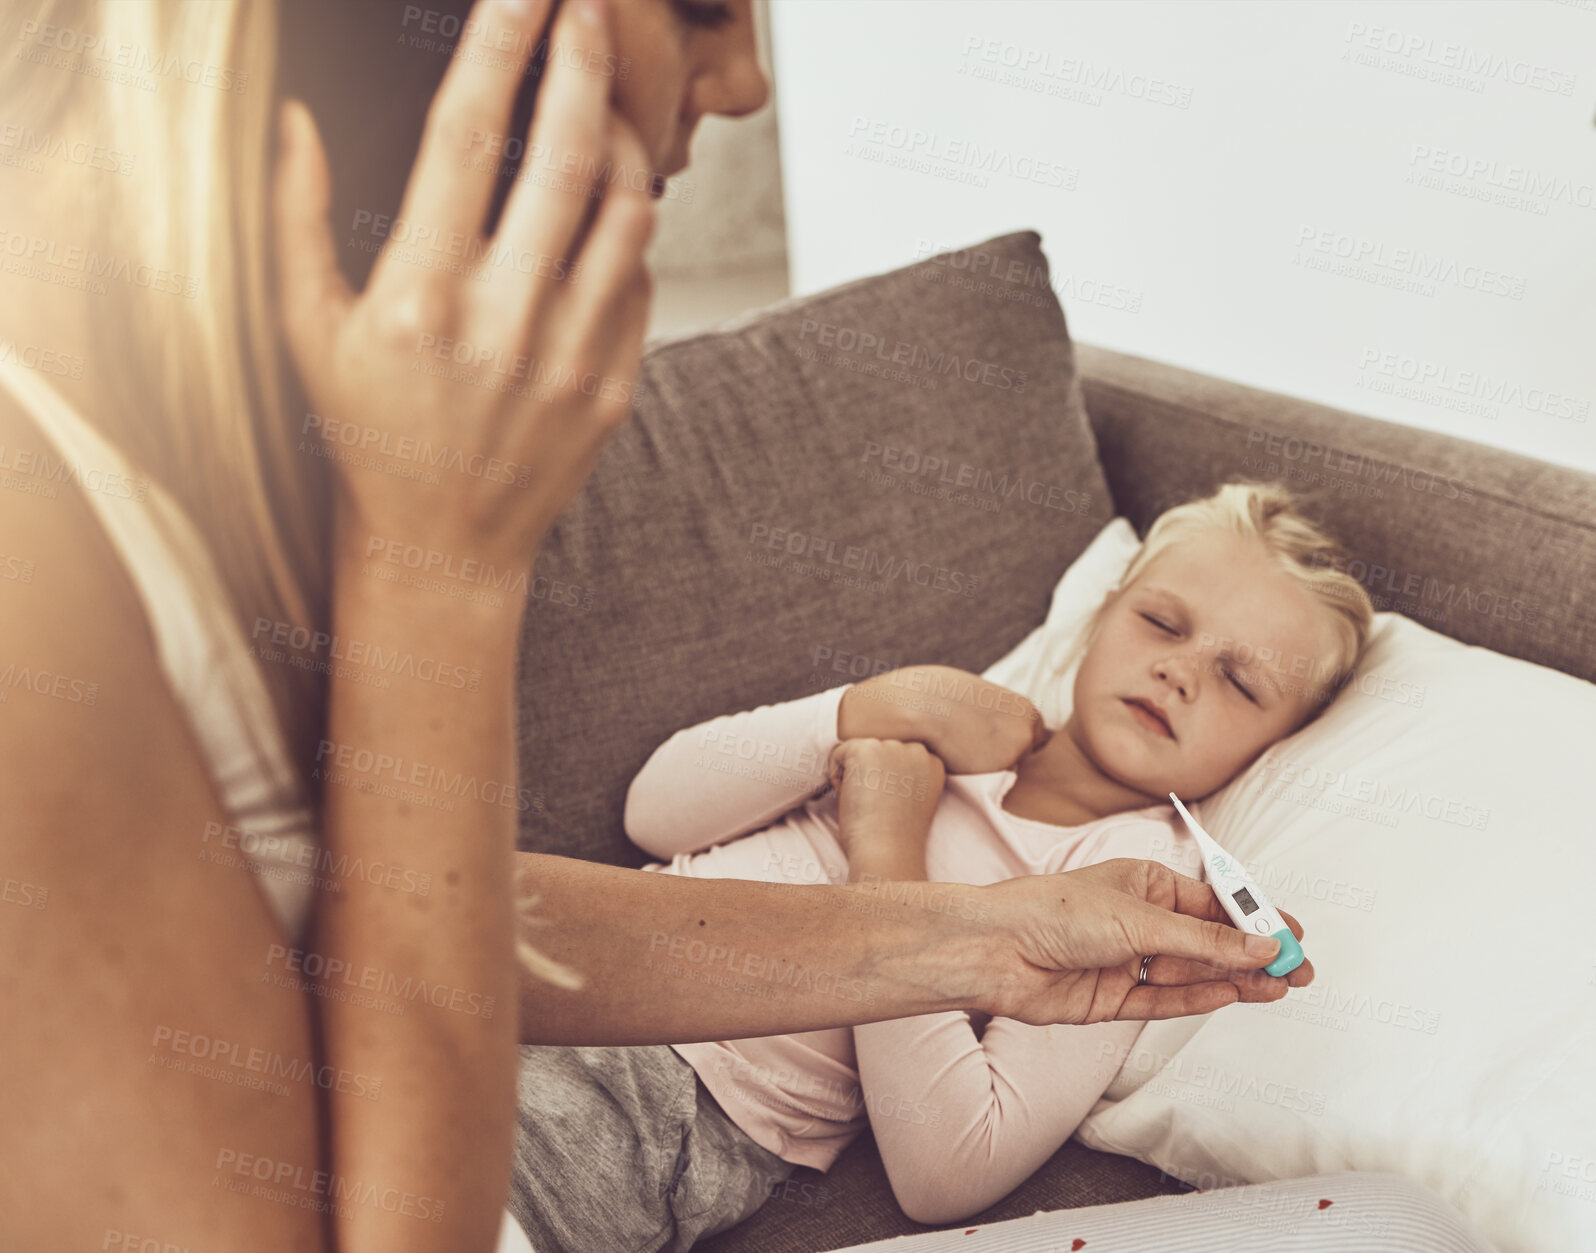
[258,996]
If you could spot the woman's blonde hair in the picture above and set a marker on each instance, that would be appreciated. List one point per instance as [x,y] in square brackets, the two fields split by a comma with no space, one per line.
[205,402]
[1269,514]
[201,395]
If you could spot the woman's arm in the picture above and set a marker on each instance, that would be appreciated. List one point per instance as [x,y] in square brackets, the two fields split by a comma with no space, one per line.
[669,960]
[1040,949]
[447,1063]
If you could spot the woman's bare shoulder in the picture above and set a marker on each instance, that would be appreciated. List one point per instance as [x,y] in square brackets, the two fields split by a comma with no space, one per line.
[135,929]
[63,585]
[77,656]
[88,723]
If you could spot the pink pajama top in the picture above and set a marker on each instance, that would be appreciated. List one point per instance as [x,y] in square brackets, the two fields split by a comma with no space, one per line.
[959,1120]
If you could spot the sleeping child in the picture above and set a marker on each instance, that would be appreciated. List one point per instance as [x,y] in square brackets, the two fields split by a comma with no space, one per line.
[1233,626]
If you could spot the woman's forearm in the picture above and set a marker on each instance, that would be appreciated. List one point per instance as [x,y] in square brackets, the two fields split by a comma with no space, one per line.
[419,748]
[669,959]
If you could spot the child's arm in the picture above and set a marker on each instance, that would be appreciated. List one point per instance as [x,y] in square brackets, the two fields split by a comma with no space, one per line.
[732,774]
[961,1122]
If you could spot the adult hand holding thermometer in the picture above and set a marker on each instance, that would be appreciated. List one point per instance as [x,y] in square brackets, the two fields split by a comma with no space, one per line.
[1243,899]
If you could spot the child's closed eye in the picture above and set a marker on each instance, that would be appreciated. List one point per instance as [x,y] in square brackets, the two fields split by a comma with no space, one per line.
[1240,686]
[1229,674]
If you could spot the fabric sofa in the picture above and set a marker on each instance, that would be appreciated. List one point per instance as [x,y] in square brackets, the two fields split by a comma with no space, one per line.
[898,471]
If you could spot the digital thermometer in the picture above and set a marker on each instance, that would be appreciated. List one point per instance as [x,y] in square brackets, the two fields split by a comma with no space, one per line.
[1243,899]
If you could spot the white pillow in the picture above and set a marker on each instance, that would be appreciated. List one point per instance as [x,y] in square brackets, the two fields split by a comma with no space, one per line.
[1428,832]
[1033,666]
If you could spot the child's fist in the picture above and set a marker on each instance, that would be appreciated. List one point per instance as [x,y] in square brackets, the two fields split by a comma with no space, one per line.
[886,790]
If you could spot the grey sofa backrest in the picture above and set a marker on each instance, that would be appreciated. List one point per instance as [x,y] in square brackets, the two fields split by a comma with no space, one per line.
[1485,546]
[891,472]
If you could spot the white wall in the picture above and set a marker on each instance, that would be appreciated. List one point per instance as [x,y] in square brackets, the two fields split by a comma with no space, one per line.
[1199,169]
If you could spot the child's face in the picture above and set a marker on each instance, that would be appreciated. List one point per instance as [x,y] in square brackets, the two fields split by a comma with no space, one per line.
[1208,617]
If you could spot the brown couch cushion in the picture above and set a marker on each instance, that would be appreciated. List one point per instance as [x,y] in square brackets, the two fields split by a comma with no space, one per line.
[891,472]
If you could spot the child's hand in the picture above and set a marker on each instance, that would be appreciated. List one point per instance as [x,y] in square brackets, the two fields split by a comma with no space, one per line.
[988,728]
[887,793]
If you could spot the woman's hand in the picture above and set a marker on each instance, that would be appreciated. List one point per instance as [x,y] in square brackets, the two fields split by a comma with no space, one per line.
[467,392]
[973,725]
[887,793]
[1074,944]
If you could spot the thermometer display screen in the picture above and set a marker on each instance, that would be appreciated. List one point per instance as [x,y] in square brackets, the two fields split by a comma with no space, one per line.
[1244,899]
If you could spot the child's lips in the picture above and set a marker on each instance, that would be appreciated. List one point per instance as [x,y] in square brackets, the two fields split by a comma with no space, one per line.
[1149,717]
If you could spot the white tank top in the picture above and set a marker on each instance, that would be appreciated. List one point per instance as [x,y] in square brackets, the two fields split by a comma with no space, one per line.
[204,657]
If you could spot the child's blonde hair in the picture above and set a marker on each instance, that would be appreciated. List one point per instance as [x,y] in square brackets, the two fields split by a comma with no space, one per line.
[1268,513]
